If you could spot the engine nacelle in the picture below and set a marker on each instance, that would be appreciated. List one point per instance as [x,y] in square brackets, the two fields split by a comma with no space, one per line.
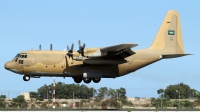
[93,53]
[88,53]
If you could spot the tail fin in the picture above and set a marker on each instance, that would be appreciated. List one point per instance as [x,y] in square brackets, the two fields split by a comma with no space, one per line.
[169,37]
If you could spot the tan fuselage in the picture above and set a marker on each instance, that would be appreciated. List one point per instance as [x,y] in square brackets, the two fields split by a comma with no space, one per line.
[55,63]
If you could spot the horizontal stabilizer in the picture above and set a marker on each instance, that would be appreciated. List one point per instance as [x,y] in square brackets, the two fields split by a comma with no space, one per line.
[173,55]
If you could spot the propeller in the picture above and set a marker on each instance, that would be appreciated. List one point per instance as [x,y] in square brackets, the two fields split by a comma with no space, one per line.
[70,51]
[81,48]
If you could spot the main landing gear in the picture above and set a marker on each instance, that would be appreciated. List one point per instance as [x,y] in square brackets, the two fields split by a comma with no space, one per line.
[86,80]
[26,77]
[77,79]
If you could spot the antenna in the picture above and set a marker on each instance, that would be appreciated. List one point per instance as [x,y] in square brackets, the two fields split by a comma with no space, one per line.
[51,47]
[40,47]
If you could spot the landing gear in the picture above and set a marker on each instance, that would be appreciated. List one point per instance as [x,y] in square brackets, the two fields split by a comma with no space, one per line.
[77,79]
[87,80]
[26,77]
[96,80]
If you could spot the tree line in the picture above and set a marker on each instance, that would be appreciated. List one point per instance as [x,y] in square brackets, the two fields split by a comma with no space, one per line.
[178,90]
[70,91]
[181,93]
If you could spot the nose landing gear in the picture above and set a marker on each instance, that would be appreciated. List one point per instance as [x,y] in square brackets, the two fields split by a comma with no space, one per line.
[26,77]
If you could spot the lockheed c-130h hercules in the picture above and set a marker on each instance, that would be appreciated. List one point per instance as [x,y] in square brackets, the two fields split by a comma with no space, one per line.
[92,64]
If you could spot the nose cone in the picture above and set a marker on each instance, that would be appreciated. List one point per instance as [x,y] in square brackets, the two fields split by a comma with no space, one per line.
[9,65]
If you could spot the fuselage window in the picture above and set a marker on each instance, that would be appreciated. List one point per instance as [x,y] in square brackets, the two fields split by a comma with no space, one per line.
[21,61]
[22,56]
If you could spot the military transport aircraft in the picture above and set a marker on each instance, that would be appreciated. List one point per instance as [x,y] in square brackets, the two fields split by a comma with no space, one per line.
[92,64]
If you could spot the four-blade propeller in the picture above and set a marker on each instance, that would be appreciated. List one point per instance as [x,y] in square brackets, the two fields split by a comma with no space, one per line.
[81,48]
[80,51]
[70,51]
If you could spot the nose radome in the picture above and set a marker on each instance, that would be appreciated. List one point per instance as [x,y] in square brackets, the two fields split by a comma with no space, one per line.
[9,65]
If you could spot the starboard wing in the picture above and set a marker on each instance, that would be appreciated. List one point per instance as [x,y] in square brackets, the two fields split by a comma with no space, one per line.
[119,47]
[114,54]
[120,51]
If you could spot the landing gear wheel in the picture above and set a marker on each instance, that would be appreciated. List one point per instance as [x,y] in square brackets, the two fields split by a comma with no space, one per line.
[77,79]
[96,80]
[26,77]
[87,80]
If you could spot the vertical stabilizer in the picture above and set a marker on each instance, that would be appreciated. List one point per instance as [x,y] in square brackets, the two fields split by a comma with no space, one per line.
[169,37]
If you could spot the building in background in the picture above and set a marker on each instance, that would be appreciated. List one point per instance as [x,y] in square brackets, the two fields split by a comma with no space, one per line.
[26,95]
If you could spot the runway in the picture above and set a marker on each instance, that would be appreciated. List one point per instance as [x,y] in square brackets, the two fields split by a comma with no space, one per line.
[99,110]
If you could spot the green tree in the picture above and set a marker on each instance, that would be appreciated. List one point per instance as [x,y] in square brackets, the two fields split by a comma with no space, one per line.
[161,103]
[3,96]
[2,103]
[112,93]
[102,92]
[161,92]
[33,94]
[193,93]
[187,104]
[43,92]
[20,101]
[66,91]
[172,91]
[122,92]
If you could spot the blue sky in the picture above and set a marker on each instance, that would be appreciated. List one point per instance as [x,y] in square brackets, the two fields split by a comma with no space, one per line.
[26,24]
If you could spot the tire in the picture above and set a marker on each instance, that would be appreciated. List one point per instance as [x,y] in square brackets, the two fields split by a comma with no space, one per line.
[87,80]
[78,79]
[96,80]
[26,77]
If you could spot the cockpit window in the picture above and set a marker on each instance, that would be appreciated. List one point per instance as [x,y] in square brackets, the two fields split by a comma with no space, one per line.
[23,56]
[17,55]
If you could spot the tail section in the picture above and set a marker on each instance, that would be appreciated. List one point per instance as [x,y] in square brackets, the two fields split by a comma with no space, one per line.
[169,37]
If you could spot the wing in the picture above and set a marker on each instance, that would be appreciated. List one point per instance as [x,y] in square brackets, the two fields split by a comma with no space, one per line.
[120,51]
[112,55]
[119,47]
